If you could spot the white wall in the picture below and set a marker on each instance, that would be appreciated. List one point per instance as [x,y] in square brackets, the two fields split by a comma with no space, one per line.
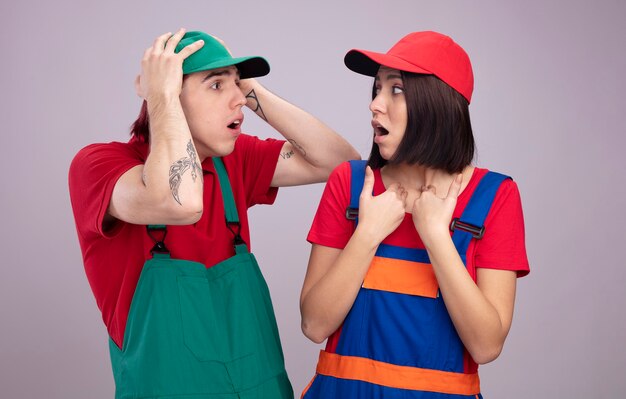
[548,109]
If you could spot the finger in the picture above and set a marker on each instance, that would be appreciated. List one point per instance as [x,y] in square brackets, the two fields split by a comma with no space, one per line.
[394,187]
[218,39]
[159,42]
[400,189]
[138,86]
[432,188]
[146,54]
[414,207]
[223,44]
[368,183]
[403,195]
[455,187]
[191,48]
[173,41]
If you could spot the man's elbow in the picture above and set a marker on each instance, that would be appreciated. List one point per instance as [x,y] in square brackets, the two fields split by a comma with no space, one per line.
[189,212]
[354,155]
[350,154]
[340,155]
[193,216]
[325,170]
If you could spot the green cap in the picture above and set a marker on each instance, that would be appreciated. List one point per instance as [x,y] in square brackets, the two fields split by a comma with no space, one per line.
[214,55]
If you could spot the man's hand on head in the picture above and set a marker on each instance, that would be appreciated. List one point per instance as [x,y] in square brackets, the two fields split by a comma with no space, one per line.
[162,68]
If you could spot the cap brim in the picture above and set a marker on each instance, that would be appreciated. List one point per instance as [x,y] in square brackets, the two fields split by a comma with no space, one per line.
[368,63]
[249,67]
[252,67]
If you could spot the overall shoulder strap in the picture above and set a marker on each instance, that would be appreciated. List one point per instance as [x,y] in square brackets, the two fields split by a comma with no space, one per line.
[230,208]
[357,177]
[471,224]
[227,192]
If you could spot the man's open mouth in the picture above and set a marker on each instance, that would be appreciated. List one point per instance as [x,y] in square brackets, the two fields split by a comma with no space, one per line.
[235,124]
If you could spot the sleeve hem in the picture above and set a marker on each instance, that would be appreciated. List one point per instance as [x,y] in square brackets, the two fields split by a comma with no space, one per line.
[268,197]
[521,270]
[104,206]
[327,241]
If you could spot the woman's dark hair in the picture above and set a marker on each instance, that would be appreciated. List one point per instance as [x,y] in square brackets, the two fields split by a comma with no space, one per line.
[438,130]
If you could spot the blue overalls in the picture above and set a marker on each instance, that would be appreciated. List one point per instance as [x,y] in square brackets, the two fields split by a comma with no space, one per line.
[398,340]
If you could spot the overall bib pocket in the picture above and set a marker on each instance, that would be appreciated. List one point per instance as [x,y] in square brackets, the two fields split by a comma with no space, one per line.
[216,315]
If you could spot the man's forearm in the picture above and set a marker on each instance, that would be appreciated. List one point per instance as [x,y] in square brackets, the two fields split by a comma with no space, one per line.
[172,169]
[320,145]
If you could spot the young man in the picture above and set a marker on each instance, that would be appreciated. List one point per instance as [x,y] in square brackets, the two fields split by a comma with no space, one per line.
[163,227]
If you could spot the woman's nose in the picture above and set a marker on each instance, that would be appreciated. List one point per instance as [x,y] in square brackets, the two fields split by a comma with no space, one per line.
[377,105]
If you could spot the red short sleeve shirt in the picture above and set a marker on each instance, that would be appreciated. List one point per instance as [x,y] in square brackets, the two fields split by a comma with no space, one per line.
[502,246]
[114,258]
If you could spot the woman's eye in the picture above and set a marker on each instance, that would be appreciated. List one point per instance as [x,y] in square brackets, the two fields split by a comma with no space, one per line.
[397,90]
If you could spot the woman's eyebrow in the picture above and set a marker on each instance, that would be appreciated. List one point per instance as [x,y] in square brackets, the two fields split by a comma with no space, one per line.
[388,77]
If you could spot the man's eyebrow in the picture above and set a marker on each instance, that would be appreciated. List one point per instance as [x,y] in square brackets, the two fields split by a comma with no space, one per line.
[216,73]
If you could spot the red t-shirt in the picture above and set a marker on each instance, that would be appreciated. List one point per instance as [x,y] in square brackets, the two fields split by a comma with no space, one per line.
[502,246]
[114,258]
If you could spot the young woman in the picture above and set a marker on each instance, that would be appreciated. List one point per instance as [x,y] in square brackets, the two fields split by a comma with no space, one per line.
[418,289]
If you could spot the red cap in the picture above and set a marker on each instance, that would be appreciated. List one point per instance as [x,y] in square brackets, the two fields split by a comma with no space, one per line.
[420,52]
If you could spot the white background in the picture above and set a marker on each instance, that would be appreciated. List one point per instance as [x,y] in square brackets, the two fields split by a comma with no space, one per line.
[548,109]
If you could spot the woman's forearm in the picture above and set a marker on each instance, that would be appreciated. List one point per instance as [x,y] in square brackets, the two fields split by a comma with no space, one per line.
[325,304]
[481,315]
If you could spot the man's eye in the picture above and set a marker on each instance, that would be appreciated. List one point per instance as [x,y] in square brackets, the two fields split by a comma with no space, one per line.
[216,86]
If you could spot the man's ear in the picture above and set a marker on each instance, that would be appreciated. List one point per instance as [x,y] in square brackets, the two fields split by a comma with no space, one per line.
[138,86]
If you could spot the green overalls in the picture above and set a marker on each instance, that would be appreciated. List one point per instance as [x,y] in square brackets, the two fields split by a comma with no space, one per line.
[194,332]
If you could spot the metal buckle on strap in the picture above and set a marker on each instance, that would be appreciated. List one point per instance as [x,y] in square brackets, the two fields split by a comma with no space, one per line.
[352,213]
[159,243]
[237,239]
[476,231]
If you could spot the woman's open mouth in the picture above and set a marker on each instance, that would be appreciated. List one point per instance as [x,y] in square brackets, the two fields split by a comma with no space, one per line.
[379,130]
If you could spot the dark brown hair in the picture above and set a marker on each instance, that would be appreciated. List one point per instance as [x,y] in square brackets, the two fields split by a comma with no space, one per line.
[438,130]
[141,127]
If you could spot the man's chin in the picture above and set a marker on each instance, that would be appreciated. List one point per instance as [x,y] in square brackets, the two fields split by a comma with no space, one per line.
[222,151]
